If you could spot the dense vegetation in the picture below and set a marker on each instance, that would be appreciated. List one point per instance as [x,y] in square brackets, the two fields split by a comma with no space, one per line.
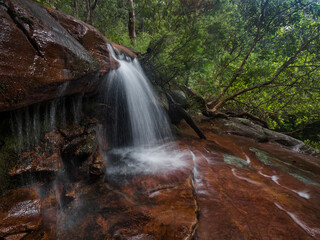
[254,57]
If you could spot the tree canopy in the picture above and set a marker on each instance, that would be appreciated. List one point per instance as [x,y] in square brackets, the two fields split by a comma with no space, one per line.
[259,57]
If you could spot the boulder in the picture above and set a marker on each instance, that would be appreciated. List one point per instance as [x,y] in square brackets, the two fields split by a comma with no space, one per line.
[89,37]
[120,49]
[20,213]
[44,158]
[245,127]
[41,60]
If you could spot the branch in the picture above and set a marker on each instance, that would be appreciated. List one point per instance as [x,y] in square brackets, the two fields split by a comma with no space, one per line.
[279,71]
[94,4]
[257,38]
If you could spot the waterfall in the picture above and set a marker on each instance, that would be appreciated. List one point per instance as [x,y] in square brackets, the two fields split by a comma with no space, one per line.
[29,124]
[138,117]
[137,127]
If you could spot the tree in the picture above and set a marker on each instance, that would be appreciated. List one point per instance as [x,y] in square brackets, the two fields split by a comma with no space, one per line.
[131,23]
[271,16]
[90,10]
[254,57]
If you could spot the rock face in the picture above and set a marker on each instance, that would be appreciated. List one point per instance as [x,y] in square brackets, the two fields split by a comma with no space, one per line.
[251,190]
[20,213]
[61,149]
[89,37]
[45,158]
[46,54]
[244,127]
[227,187]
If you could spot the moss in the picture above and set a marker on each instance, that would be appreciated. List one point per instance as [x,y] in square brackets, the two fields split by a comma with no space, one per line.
[265,157]
[86,148]
[292,170]
[233,160]
[8,157]
[304,179]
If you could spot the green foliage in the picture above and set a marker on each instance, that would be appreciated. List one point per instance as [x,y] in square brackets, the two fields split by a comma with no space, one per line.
[314,144]
[218,48]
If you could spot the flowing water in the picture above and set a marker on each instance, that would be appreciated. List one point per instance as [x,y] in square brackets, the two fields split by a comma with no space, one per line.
[138,118]
[137,126]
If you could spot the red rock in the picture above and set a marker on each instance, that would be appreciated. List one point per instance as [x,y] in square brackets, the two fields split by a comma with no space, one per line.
[40,60]
[97,163]
[44,158]
[16,236]
[89,37]
[120,49]
[32,162]
[231,187]
[20,212]
[271,199]
[159,206]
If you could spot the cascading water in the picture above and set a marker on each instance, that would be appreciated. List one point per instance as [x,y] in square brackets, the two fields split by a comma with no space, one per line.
[137,126]
[139,119]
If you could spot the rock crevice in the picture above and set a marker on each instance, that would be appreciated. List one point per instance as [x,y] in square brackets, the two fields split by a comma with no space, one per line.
[25,32]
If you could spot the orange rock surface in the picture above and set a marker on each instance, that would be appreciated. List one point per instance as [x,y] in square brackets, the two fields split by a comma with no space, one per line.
[229,187]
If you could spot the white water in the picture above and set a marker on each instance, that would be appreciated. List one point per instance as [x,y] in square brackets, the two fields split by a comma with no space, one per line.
[135,160]
[315,232]
[139,119]
[138,129]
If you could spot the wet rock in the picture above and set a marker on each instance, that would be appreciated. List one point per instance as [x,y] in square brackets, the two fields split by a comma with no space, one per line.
[103,211]
[244,127]
[54,140]
[97,165]
[275,198]
[32,162]
[46,60]
[44,158]
[89,37]
[233,160]
[80,148]
[20,213]
[120,49]
[73,131]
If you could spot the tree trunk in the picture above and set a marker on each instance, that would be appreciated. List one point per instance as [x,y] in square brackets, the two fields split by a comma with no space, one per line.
[90,11]
[88,6]
[176,113]
[76,7]
[131,23]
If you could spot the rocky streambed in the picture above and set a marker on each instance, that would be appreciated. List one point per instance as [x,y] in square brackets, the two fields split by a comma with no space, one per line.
[225,187]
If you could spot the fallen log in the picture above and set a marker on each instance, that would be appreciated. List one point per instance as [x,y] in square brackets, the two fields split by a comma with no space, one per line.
[176,113]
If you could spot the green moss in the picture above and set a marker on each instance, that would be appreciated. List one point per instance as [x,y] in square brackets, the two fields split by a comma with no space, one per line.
[304,179]
[292,170]
[233,160]
[265,157]
[8,157]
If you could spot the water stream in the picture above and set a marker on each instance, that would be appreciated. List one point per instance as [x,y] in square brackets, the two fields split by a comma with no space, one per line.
[138,118]
[137,126]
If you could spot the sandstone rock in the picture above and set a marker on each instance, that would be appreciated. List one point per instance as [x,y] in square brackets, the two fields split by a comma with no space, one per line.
[244,127]
[80,148]
[89,37]
[40,60]
[97,165]
[73,131]
[252,190]
[44,158]
[120,49]
[20,213]
[160,212]
[32,162]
